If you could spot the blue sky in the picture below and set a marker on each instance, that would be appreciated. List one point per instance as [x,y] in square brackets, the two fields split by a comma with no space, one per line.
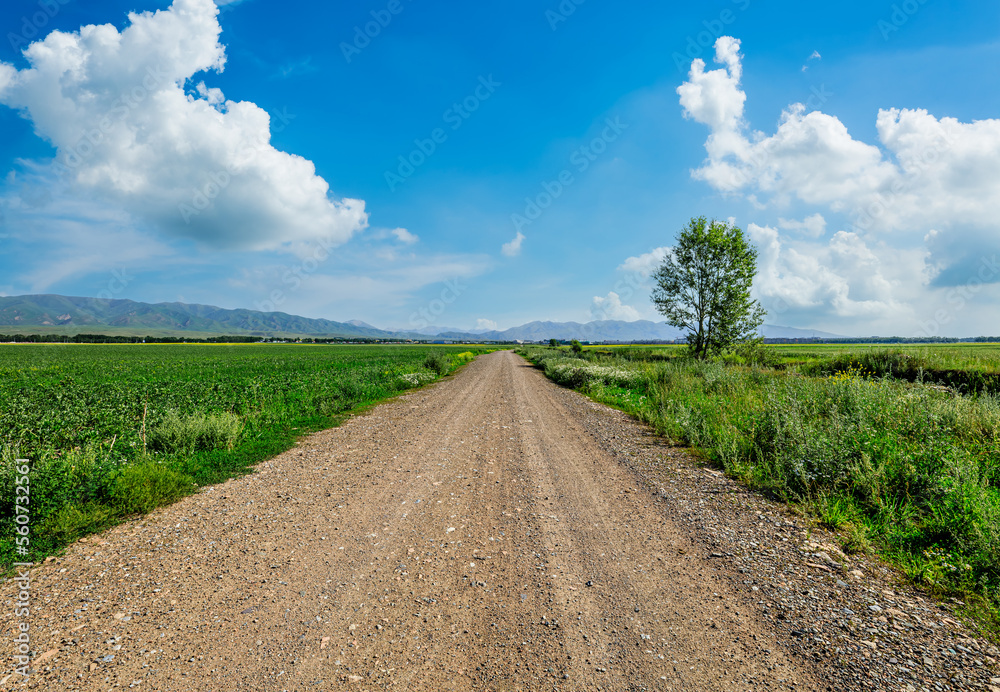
[184,156]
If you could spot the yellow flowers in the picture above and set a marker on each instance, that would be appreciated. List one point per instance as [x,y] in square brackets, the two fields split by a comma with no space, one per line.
[856,371]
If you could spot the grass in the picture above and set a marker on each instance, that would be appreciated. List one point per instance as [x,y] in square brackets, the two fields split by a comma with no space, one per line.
[111,431]
[909,468]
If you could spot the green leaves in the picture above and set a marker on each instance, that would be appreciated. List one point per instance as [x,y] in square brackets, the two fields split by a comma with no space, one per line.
[703,286]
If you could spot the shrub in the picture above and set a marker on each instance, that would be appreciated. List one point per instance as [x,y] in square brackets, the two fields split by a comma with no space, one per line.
[71,521]
[755,353]
[144,487]
[188,434]
[439,362]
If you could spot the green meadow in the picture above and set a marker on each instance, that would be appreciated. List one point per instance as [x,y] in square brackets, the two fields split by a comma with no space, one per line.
[110,431]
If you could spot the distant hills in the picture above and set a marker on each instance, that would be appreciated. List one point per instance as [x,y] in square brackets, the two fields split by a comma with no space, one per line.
[63,314]
[42,314]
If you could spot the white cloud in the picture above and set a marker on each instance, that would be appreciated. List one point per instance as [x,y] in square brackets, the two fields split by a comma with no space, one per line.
[845,275]
[813,226]
[483,324]
[610,307]
[404,236]
[131,128]
[928,172]
[513,248]
[714,98]
[914,213]
[645,264]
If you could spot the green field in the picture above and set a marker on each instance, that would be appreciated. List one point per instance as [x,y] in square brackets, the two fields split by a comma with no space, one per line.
[899,448]
[114,430]
[969,356]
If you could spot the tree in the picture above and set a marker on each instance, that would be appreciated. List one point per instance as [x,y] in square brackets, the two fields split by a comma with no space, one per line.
[703,286]
[553,343]
[576,346]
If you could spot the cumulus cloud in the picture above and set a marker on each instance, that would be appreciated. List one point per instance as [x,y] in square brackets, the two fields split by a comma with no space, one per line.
[483,324]
[513,248]
[645,264]
[813,226]
[404,236]
[714,98]
[891,231]
[132,126]
[846,275]
[925,173]
[611,307]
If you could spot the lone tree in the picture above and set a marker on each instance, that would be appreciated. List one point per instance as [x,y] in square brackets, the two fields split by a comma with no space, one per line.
[703,286]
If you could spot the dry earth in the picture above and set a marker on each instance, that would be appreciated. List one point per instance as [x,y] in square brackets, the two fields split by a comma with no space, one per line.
[491,532]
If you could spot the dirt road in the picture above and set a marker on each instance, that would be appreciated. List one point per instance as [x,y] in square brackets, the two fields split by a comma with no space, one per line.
[470,536]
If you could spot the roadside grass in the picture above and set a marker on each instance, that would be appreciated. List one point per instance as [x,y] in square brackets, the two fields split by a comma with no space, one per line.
[116,431]
[906,468]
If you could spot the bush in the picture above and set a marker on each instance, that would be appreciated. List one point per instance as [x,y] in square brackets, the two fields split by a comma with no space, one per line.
[439,362]
[755,353]
[188,434]
[75,476]
[146,486]
[71,521]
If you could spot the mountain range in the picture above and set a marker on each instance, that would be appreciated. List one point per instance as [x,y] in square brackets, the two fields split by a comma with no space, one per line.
[40,314]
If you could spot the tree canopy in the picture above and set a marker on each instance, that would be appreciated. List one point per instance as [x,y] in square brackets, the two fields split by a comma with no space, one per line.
[703,286]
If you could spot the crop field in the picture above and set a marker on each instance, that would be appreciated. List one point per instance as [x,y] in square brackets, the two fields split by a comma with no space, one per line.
[111,431]
[899,448]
